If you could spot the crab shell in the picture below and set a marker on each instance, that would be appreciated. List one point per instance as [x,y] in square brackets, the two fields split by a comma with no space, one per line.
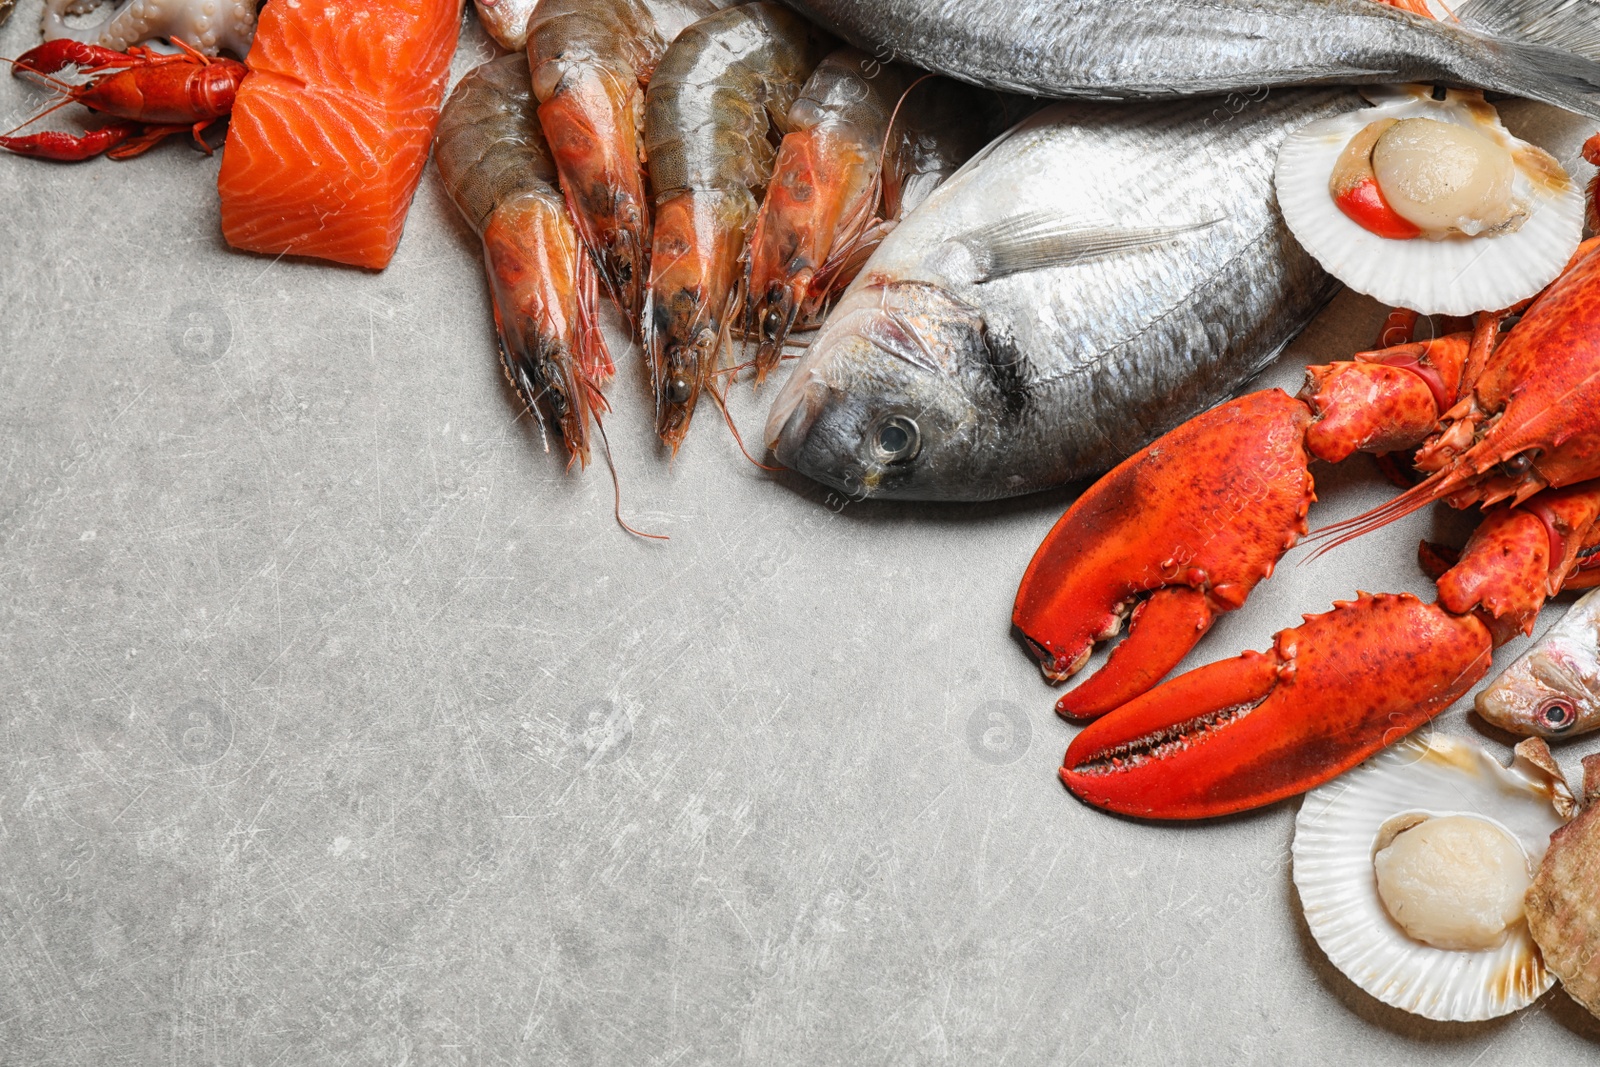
[1564,900]
[1456,275]
[1336,834]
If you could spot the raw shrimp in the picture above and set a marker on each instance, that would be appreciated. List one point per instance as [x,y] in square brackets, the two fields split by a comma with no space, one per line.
[590,60]
[824,192]
[942,123]
[508,20]
[869,143]
[706,119]
[497,169]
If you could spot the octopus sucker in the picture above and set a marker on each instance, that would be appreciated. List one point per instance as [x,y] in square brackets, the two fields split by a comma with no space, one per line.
[197,22]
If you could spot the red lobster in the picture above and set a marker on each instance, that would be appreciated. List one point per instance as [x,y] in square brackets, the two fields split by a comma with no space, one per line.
[1183,530]
[152,94]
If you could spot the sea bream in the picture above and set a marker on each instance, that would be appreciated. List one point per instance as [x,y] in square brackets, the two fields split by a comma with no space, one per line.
[1116,49]
[1552,689]
[1095,277]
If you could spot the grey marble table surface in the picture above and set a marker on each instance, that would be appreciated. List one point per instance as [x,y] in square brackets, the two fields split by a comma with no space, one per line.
[340,724]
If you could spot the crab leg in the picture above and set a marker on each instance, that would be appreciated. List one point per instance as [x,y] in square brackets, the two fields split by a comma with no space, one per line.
[1245,732]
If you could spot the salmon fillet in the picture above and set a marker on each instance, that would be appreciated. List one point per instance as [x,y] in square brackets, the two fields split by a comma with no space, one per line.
[332,126]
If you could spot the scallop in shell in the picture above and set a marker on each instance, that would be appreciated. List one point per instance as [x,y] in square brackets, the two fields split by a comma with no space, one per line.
[1344,830]
[1531,210]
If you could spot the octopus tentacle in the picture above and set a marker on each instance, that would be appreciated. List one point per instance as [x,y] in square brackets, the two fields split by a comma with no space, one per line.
[211,26]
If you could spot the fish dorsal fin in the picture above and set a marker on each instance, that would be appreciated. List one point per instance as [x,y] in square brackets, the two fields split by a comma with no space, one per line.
[1570,25]
[1039,240]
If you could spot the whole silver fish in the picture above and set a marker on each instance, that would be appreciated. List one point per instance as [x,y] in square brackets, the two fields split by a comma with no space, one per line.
[1553,689]
[1092,279]
[1113,48]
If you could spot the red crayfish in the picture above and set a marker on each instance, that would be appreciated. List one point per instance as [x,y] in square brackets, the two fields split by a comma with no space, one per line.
[152,94]
[1182,531]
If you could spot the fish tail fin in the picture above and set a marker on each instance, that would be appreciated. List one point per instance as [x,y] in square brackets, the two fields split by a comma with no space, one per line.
[1571,26]
[1538,49]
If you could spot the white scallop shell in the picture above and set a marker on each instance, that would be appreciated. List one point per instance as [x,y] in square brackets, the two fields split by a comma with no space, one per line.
[1334,840]
[1453,276]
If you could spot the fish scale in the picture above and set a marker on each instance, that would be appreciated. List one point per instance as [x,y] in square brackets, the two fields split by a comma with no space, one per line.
[1113,49]
[1089,282]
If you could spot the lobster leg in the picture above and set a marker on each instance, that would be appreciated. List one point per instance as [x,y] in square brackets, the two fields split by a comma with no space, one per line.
[1519,557]
[1242,733]
[151,136]
[68,148]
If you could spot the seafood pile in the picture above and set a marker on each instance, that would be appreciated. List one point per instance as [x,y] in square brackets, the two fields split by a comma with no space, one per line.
[1009,295]
[726,171]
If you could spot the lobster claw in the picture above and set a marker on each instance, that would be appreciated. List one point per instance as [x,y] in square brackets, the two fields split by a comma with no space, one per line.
[1241,733]
[1177,534]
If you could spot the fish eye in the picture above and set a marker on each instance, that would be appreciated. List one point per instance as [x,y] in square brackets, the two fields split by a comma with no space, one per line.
[1556,714]
[678,389]
[897,439]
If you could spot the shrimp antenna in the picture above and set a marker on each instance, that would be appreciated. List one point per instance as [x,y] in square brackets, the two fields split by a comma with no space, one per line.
[616,486]
[888,133]
[738,438]
[721,398]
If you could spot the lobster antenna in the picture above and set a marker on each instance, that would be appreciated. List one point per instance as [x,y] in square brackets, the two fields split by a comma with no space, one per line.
[1416,498]
[64,86]
[30,121]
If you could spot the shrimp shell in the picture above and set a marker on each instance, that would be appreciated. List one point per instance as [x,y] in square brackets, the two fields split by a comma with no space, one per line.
[589,60]
[707,113]
[824,191]
[497,169]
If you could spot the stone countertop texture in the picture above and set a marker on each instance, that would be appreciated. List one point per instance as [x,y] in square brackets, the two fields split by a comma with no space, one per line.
[339,724]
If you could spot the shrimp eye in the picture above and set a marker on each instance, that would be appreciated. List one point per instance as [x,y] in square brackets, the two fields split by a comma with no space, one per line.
[1557,714]
[772,323]
[678,389]
[558,401]
[897,439]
